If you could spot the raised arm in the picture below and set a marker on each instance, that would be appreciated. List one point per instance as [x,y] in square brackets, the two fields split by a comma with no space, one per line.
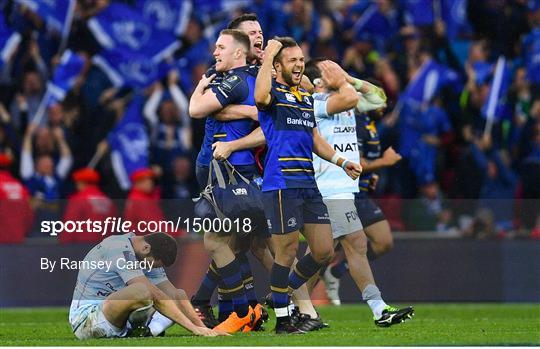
[66,159]
[334,78]
[222,150]
[263,83]
[326,152]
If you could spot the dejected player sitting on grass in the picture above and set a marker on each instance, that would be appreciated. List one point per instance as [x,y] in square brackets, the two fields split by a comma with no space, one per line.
[117,301]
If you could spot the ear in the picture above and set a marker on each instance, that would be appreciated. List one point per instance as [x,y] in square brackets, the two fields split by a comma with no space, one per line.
[277,66]
[146,249]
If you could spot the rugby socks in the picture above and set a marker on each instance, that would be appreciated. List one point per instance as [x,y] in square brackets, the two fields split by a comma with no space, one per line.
[372,296]
[207,287]
[303,271]
[247,277]
[225,304]
[279,279]
[234,287]
[339,269]
[159,323]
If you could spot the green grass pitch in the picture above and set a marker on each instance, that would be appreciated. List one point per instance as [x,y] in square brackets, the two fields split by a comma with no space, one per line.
[350,325]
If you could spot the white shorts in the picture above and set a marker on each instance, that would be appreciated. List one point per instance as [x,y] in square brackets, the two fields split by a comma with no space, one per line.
[90,322]
[343,217]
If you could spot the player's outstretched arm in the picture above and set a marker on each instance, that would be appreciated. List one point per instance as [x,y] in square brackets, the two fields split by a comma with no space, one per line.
[326,152]
[263,83]
[222,150]
[182,301]
[237,112]
[166,306]
[203,101]
[390,158]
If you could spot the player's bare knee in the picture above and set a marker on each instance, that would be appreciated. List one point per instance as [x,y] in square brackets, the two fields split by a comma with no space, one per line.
[384,244]
[323,254]
[141,293]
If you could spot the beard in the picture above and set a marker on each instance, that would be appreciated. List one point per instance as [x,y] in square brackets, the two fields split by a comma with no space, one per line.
[287,77]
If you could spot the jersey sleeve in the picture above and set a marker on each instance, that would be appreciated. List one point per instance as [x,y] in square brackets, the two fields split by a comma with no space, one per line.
[157,275]
[116,257]
[232,90]
[320,102]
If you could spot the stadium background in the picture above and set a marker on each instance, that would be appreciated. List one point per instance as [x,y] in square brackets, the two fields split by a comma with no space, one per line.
[470,171]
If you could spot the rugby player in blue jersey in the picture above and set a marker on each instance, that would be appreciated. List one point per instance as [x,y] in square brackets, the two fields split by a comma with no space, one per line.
[293,202]
[233,113]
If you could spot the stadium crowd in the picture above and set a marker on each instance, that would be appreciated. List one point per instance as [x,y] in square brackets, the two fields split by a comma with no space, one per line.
[462,77]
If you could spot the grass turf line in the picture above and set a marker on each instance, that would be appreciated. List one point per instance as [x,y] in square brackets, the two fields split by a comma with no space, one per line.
[433,324]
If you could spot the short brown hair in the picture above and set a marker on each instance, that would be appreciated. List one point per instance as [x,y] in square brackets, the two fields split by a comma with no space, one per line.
[238,36]
[286,42]
[246,17]
[163,247]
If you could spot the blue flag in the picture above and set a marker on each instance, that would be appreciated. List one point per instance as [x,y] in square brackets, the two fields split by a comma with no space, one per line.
[418,12]
[169,16]
[531,55]
[57,14]
[381,28]
[454,14]
[130,69]
[9,41]
[65,74]
[496,106]
[129,143]
[122,28]
[427,82]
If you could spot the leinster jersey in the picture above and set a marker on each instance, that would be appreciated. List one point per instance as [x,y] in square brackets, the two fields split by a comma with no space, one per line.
[369,145]
[339,130]
[288,124]
[234,87]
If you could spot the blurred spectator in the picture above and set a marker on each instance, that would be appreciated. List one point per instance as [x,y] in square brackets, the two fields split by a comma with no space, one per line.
[499,183]
[170,124]
[429,212]
[88,203]
[27,100]
[15,211]
[142,205]
[46,179]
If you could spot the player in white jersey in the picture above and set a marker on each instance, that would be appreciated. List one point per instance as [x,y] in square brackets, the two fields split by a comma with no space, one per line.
[122,286]
[336,97]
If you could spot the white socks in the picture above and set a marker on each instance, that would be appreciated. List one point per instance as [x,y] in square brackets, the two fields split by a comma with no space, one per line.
[159,323]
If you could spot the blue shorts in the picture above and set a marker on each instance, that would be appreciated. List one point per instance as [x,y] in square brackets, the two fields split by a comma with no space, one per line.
[287,210]
[368,211]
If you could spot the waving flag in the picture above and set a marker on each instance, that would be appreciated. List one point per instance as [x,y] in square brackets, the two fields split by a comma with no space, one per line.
[531,55]
[129,143]
[57,14]
[9,41]
[130,69]
[418,12]
[454,14]
[169,16]
[496,107]
[122,28]
[427,82]
[65,74]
